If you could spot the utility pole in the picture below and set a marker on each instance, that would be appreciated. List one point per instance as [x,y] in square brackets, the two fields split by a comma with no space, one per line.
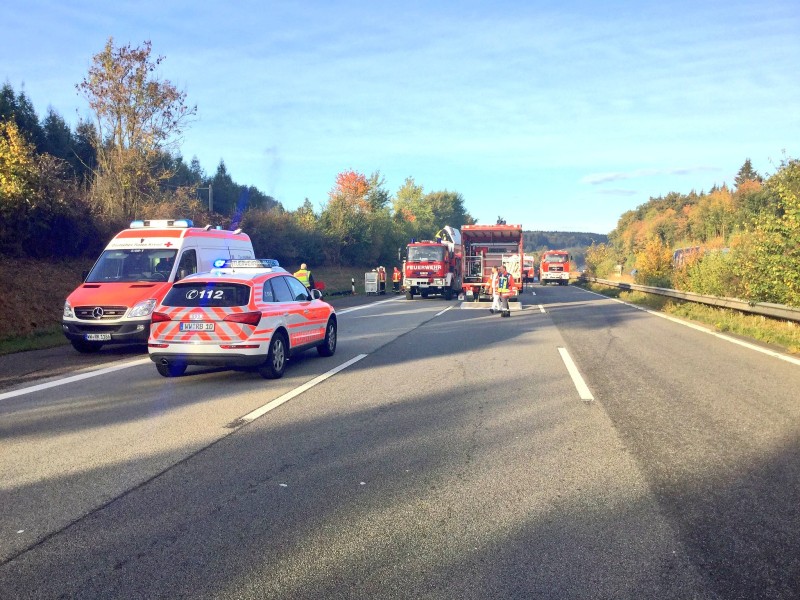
[210,189]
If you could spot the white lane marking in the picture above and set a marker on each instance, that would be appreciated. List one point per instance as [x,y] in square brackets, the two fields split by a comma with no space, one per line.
[73,378]
[273,404]
[580,384]
[441,312]
[363,306]
[702,329]
[541,308]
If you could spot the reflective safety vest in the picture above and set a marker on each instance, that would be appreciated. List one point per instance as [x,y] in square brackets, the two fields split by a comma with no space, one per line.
[303,275]
[396,276]
[503,283]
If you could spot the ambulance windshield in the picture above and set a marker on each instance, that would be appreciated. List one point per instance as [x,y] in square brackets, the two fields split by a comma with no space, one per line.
[129,265]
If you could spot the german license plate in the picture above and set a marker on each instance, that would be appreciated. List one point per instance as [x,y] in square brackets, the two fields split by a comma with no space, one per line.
[197,326]
[98,337]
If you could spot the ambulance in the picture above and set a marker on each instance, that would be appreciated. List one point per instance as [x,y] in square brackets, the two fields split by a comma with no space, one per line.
[114,305]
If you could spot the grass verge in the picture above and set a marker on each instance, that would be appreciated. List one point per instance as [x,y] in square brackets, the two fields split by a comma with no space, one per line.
[38,340]
[785,334]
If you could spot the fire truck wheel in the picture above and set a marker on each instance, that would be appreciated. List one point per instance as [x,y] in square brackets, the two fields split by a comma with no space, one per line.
[448,294]
[275,365]
[85,347]
[328,346]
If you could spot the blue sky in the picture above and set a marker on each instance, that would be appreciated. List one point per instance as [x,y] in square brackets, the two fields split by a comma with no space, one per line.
[557,115]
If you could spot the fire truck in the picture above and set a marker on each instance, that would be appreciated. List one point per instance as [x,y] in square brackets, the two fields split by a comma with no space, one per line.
[530,270]
[555,267]
[434,266]
[487,246]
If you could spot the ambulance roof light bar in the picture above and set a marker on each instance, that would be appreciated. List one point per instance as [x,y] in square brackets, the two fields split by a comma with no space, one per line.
[180,223]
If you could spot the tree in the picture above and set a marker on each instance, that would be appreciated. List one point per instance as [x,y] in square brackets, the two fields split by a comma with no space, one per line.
[747,173]
[769,261]
[138,116]
[344,220]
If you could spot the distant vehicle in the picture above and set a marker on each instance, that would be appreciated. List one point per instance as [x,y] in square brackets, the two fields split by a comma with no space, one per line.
[135,271]
[555,267]
[433,267]
[241,314]
[530,270]
[487,246]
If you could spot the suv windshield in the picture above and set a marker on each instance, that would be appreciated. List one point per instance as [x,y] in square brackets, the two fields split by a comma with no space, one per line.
[208,294]
[130,265]
[425,253]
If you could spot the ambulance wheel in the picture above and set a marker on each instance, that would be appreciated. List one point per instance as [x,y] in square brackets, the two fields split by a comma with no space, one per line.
[86,347]
[328,346]
[409,295]
[170,369]
[275,364]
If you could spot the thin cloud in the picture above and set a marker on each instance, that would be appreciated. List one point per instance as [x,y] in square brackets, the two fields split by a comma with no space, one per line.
[600,178]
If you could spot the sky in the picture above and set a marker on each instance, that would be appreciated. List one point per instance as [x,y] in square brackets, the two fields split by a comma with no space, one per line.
[558,115]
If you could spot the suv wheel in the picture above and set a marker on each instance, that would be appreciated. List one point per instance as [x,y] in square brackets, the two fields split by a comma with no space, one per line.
[170,369]
[328,346]
[275,364]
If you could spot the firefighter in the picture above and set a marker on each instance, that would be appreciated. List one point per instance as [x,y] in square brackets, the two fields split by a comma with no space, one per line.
[381,280]
[304,275]
[494,291]
[396,277]
[505,282]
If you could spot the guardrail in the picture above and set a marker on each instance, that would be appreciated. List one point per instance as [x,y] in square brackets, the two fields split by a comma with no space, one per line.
[766,309]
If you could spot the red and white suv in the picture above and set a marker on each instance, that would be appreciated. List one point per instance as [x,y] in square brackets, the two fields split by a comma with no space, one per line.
[245,313]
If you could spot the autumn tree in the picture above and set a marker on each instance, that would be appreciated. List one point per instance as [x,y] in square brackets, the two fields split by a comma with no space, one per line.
[137,116]
[344,220]
[769,258]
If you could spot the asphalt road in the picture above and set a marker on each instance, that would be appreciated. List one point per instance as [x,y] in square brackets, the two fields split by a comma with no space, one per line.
[453,458]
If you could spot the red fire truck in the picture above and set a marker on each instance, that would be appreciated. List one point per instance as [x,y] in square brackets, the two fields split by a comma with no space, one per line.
[555,267]
[487,246]
[434,266]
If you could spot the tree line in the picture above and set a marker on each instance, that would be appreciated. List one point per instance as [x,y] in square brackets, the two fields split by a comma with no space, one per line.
[65,192]
[741,242]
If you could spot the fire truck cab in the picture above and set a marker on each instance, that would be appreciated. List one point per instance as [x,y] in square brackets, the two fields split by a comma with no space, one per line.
[555,267]
[434,266]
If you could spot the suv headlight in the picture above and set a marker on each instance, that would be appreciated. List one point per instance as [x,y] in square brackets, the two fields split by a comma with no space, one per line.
[142,309]
[68,314]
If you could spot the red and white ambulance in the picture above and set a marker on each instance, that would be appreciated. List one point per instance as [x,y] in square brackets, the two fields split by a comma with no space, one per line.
[133,274]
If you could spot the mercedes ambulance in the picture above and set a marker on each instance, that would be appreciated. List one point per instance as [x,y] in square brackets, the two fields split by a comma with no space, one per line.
[115,303]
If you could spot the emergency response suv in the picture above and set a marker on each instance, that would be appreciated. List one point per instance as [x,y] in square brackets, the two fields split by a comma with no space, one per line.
[241,314]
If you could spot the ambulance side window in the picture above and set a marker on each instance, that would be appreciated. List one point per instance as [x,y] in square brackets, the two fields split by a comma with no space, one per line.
[188,264]
[281,289]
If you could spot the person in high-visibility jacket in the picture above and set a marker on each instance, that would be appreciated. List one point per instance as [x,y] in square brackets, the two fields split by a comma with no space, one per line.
[304,275]
[396,277]
[505,287]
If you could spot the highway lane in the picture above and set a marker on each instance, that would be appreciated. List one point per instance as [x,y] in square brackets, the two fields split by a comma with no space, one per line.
[715,429]
[495,480]
[71,448]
